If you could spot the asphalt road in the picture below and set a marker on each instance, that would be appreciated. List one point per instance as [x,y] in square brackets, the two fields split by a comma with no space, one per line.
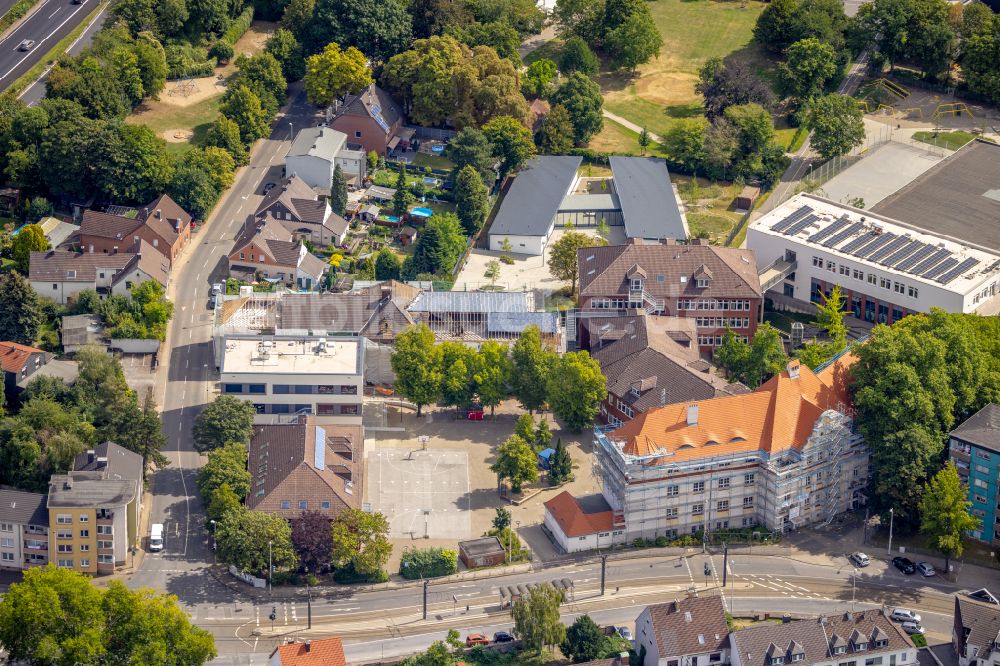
[52,20]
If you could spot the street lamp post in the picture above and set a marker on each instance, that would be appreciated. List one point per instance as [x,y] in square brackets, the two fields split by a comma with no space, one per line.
[854,586]
[270,568]
[291,130]
[891,516]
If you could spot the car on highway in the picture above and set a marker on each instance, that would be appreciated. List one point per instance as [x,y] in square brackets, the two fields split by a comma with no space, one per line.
[904,615]
[912,628]
[78,2]
[625,633]
[983,594]
[926,569]
[472,640]
[860,559]
[26,45]
[502,637]
[905,565]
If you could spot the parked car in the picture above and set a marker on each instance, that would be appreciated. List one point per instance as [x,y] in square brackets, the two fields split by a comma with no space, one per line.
[926,569]
[905,565]
[912,628]
[26,45]
[472,640]
[905,615]
[860,559]
[983,594]
[269,186]
[502,637]
[625,633]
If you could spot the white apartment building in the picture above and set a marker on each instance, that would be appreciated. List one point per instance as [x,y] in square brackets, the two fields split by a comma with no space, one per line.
[886,268]
[316,151]
[784,456]
[24,529]
[295,374]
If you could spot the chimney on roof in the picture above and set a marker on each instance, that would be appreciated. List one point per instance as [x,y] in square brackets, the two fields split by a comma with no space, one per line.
[90,456]
[68,484]
[159,213]
[308,645]
[793,369]
[692,415]
[668,241]
[677,605]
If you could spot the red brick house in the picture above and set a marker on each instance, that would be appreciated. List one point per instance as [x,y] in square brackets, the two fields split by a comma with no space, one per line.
[717,286]
[161,223]
[371,119]
[267,248]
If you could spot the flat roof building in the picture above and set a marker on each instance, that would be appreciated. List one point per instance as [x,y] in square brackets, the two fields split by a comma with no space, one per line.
[887,268]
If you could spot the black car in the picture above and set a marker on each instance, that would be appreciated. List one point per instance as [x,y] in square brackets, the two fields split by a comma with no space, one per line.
[904,565]
[502,637]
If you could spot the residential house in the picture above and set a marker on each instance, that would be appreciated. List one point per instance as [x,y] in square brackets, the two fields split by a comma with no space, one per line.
[24,529]
[266,248]
[316,151]
[577,524]
[317,652]
[650,361]
[299,209]
[306,466]
[686,632]
[22,363]
[716,286]
[975,631]
[865,638]
[782,457]
[372,120]
[61,275]
[94,510]
[974,446]
[161,223]
[56,231]
[296,374]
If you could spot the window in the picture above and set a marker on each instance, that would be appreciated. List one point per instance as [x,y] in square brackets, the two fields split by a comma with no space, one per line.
[697,509]
[352,410]
[85,548]
[858,275]
[979,483]
[748,479]
[65,564]
[84,534]
[636,284]
[883,282]
[65,548]
[671,512]
[84,518]
[871,278]
[255,388]
[64,534]
[64,519]
[723,483]
[286,504]
[979,499]
[105,559]
[357,134]
[982,455]
[912,292]
[879,644]
[841,650]
[6,527]
[104,529]
[722,505]
[703,283]
[845,270]
[818,262]
[715,657]
[776,660]
[831,266]
[898,287]
[748,502]
[672,491]
[982,469]
[6,542]
[303,504]
[324,504]
[85,562]
[242,256]
[105,544]
[55,286]
[698,487]
[7,557]
[874,661]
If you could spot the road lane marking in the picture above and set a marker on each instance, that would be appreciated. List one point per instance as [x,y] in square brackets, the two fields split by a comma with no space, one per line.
[40,42]
[55,12]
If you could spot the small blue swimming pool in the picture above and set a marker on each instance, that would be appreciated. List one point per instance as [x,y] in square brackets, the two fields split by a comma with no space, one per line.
[437,149]
[389,218]
[422,212]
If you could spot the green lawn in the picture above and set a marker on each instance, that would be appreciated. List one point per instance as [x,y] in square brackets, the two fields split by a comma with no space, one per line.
[950,140]
[433,161]
[164,118]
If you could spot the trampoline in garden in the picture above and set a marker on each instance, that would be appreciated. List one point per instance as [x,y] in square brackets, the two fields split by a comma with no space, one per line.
[421,212]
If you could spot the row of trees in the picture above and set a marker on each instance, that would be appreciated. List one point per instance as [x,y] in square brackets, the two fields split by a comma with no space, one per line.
[454,374]
[623,29]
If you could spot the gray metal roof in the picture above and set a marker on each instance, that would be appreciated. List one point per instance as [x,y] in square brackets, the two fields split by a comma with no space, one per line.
[531,203]
[317,142]
[515,322]
[649,207]
[588,202]
[23,508]
[982,428]
[472,301]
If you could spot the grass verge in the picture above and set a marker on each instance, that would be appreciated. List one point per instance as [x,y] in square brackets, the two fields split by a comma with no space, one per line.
[16,12]
[60,47]
[950,140]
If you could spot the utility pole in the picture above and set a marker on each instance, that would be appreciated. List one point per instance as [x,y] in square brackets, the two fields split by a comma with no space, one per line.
[309,607]
[425,598]
[273,616]
[604,568]
[270,568]
[708,572]
[892,514]
[854,586]
[725,563]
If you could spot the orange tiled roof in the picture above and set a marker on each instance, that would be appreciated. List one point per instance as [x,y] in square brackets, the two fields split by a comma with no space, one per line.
[778,416]
[322,652]
[13,356]
[573,520]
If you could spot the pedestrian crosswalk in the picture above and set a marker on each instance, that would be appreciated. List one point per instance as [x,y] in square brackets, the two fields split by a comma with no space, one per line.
[777,584]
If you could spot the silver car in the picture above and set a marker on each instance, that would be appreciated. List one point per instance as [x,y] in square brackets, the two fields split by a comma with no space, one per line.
[912,628]
[26,45]
[905,615]
[926,569]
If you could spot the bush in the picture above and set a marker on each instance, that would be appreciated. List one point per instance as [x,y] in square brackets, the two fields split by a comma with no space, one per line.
[187,60]
[428,563]
[222,51]
[238,27]
[661,542]
[348,575]
[505,259]
[639,542]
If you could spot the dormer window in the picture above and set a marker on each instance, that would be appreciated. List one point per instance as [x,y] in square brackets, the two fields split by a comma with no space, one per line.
[703,282]
[636,284]
[839,649]
[861,646]
[774,661]
[635,391]
[881,643]
[797,657]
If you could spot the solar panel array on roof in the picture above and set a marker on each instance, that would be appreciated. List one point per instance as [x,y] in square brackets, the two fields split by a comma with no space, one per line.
[800,225]
[884,252]
[932,273]
[783,224]
[958,270]
[903,252]
[917,256]
[858,242]
[846,233]
[930,261]
[875,245]
[830,229]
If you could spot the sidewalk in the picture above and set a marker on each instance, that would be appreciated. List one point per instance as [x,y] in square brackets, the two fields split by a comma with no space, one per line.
[628,124]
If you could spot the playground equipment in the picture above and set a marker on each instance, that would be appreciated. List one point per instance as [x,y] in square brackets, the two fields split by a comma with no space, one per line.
[891,87]
[955,108]
[185,87]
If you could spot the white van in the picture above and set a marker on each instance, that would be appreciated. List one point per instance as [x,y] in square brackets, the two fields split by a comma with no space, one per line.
[156,537]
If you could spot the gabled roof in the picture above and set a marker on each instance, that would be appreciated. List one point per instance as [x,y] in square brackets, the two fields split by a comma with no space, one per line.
[689,626]
[670,270]
[271,238]
[62,266]
[298,198]
[374,103]
[312,265]
[149,261]
[318,652]
[778,416]
[13,355]
[982,428]
[112,461]
[23,508]
[530,205]
[580,517]
[322,142]
[649,207]
[979,619]
[164,216]
[105,225]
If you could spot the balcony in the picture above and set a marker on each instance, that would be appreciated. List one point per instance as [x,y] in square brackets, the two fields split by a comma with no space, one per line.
[36,547]
[105,517]
[960,454]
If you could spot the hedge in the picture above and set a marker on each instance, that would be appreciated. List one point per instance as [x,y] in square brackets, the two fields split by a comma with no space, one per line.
[238,27]
[16,12]
[428,563]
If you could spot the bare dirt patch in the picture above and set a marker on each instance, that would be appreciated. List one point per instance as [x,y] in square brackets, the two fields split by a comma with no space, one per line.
[666,87]
[188,92]
[177,135]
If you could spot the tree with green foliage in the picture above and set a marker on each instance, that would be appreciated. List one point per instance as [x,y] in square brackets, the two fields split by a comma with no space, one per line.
[457,362]
[416,363]
[575,388]
[837,124]
[435,17]
[470,147]
[492,272]
[556,135]
[425,563]
[576,56]
[338,191]
[225,133]
[529,366]
[945,513]
[130,163]
[287,51]
[511,141]
[814,354]
[585,641]
[502,519]
[243,107]
[754,362]
[644,141]
[222,501]
[199,178]
[262,74]
[731,83]
[20,310]
[809,65]
[785,22]
[561,464]
[538,79]
[498,35]
[312,538]
[536,618]
[582,98]
[360,541]
[472,199]
[30,238]
[635,42]
[387,265]
[524,428]
[297,16]
[378,28]
[830,315]
[227,465]
[223,421]
[543,434]
[332,74]
[980,54]
[491,372]
[516,462]
[401,198]
[438,248]
[144,434]
[250,539]
[685,143]
[562,255]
